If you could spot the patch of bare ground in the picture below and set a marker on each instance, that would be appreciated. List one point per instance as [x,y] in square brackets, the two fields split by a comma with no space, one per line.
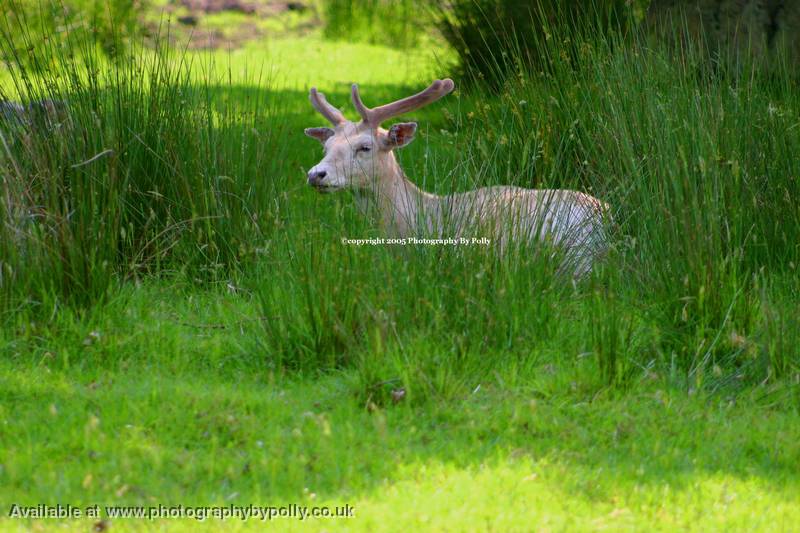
[194,32]
[212,39]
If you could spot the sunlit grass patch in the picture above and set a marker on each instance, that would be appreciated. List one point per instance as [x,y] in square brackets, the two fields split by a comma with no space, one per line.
[182,322]
[542,453]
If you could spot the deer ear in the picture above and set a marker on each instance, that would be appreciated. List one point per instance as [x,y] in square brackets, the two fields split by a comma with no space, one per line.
[400,135]
[320,134]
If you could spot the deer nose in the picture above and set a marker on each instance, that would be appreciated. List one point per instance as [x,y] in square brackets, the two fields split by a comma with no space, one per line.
[316,177]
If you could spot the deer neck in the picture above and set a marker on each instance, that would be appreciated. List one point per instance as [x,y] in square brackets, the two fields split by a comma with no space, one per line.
[403,208]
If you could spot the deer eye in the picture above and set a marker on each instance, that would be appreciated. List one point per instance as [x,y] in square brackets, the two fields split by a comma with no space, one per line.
[363,148]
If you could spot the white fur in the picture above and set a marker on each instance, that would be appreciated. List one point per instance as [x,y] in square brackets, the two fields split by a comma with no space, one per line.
[571,220]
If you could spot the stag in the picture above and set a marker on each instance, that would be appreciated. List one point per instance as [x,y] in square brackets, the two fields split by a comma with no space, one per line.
[360,157]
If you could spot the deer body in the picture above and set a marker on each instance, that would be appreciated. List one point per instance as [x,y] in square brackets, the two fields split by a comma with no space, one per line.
[360,157]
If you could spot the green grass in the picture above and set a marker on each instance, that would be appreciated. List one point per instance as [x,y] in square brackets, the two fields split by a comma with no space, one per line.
[181,323]
[170,403]
[401,24]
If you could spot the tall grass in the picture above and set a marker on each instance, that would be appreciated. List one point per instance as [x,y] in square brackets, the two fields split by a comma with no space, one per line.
[699,167]
[151,172]
[140,170]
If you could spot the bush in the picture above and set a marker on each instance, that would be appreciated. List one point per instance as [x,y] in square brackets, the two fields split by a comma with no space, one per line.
[110,25]
[495,37]
[394,23]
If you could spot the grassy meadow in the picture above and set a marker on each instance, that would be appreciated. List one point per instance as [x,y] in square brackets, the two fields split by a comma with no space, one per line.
[181,324]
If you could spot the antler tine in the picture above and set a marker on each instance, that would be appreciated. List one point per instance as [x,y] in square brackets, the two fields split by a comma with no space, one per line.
[324,108]
[363,110]
[375,116]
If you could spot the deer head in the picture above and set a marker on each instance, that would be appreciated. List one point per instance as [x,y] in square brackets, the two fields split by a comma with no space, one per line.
[358,154]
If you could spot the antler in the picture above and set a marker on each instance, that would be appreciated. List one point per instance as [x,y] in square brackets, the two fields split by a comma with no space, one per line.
[325,109]
[375,116]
